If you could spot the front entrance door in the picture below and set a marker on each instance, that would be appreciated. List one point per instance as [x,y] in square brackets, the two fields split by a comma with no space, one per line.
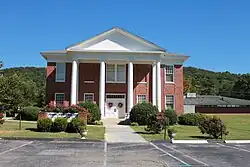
[115,105]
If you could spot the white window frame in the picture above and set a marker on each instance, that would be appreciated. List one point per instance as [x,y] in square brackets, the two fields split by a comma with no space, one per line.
[60,80]
[59,94]
[116,73]
[137,97]
[166,73]
[173,101]
[89,94]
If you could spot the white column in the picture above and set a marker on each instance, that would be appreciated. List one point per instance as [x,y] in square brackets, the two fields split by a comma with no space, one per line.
[102,89]
[130,87]
[154,84]
[158,80]
[74,83]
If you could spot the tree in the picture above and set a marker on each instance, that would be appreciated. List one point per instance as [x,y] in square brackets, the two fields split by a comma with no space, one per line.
[15,92]
[241,88]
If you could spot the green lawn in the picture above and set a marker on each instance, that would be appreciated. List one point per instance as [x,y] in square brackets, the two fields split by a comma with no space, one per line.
[237,125]
[10,129]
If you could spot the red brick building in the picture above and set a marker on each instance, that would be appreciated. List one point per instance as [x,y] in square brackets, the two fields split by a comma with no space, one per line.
[116,69]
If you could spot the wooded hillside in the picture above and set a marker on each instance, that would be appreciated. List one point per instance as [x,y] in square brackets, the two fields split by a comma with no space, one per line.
[196,80]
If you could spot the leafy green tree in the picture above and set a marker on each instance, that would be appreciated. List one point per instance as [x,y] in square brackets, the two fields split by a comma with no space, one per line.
[15,92]
[241,88]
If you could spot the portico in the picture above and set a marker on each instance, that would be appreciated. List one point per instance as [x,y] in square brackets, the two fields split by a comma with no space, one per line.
[156,84]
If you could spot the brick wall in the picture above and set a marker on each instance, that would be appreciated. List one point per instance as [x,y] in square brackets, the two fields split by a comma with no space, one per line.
[53,87]
[175,89]
[90,72]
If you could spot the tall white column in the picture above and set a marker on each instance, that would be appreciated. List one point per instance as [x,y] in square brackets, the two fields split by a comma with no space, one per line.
[102,88]
[154,84]
[130,87]
[74,83]
[158,80]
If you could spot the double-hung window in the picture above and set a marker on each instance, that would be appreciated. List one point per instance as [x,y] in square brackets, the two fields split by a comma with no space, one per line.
[116,73]
[89,97]
[60,72]
[169,102]
[169,73]
[59,99]
[141,98]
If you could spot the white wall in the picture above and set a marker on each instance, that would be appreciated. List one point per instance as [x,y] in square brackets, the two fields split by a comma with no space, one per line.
[189,109]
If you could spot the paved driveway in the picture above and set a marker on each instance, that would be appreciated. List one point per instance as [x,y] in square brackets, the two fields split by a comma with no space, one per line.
[95,154]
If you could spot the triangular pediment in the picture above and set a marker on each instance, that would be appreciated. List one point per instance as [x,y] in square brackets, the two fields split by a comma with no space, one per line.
[115,39]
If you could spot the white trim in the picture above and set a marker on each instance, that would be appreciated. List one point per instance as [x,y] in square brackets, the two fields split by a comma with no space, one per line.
[142,82]
[141,95]
[115,66]
[58,94]
[115,94]
[88,94]
[121,31]
[165,73]
[89,82]
[166,101]
[56,79]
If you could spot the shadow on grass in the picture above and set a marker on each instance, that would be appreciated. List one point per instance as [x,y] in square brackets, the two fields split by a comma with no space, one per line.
[146,133]
[201,137]
[32,129]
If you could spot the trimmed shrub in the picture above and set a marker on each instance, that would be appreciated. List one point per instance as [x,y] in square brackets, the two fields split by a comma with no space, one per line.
[141,112]
[59,125]
[29,113]
[192,119]
[213,126]
[93,110]
[172,116]
[44,125]
[75,125]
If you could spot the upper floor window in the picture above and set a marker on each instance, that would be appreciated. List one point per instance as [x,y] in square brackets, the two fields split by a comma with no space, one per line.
[89,97]
[169,102]
[169,73]
[116,73]
[141,98]
[59,99]
[60,72]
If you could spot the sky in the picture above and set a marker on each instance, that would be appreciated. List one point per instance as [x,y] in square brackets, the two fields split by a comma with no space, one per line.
[215,33]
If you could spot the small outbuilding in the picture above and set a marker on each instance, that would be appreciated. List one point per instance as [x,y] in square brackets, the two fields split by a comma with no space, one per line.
[215,104]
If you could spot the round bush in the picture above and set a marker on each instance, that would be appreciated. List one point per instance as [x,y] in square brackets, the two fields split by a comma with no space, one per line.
[192,119]
[29,113]
[93,110]
[172,116]
[74,124]
[59,125]
[141,112]
[44,125]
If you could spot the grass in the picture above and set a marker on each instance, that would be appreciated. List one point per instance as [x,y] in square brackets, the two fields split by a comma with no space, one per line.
[11,129]
[237,125]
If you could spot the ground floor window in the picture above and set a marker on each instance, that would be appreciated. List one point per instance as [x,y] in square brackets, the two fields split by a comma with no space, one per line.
[141,98]
[59,98]
[169,102]
[89,97]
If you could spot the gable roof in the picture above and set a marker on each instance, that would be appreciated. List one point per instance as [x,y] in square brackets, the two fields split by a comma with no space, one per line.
[122,31]
[215,100]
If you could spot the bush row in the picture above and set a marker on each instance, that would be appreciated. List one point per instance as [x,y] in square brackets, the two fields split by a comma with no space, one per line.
[60,125]
[92,108]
